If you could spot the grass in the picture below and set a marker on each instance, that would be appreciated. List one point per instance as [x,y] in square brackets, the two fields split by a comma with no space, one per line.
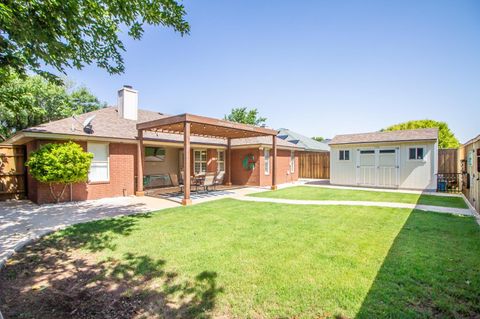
[267,260]
[324,193]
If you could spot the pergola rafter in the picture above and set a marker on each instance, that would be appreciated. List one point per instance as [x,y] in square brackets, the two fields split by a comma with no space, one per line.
[194,125]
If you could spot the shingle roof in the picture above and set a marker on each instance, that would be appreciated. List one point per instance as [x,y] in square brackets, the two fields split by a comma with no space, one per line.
[108,124]
[309,144]
[389,136]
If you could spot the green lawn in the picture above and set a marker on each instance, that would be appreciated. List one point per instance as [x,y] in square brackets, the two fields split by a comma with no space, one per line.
[323,193]
[263,260]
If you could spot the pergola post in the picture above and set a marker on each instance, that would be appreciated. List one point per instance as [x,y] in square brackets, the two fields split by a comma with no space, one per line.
[274,166]
[140,160]
[186,164]
[229,162]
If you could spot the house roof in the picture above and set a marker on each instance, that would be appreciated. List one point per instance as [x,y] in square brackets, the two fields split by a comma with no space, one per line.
[108,124]
[387,136]
[309,144]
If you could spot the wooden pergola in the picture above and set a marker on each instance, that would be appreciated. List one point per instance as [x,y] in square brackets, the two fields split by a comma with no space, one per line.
[194,125]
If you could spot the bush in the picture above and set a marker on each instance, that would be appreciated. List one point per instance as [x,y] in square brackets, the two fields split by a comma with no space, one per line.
[60,164]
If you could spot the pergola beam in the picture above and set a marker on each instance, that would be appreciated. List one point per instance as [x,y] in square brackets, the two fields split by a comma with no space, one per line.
[188,125]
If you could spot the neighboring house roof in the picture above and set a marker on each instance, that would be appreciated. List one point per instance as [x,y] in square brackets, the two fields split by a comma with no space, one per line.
[108,124]
[309,144]
[387,136]
[473,140]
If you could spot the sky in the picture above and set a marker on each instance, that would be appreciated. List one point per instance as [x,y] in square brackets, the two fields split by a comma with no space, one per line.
[320,68]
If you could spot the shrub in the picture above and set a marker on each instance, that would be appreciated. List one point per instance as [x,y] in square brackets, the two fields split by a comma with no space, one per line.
[60,164]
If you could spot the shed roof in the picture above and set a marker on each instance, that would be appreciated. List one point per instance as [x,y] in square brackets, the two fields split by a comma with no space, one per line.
[387,136]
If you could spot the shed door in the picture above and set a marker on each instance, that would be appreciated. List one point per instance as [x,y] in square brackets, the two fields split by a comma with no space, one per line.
[366,167]
[388,168]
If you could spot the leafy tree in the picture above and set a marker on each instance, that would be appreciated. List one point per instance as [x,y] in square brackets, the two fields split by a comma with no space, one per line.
[60,165]
[318,138]
[32,100]
[446,138]
[242,115]
[75,33]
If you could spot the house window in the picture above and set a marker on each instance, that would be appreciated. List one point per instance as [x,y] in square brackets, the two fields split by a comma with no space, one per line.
[292,162]
[344,155]
[199,161]
[99,169]
[266,155]
[221,161]
[416,153]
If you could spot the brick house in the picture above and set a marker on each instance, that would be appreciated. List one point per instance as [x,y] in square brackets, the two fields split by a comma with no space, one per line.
[112,135]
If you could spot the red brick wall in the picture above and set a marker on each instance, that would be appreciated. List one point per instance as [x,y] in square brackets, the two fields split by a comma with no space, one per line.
[240,175]
[122,173]
[257,177]
[283,174]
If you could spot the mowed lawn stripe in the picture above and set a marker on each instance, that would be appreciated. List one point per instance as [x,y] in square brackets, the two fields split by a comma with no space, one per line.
[272,260]
[324,193]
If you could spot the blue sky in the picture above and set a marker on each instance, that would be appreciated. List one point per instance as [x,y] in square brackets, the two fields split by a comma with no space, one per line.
[317,67]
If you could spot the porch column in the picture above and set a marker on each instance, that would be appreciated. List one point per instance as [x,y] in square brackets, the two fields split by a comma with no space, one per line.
[274,162]
[229,162]
[140,157]
[186,164]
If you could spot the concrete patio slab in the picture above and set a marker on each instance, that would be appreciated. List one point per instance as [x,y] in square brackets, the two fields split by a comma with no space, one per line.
[23,221]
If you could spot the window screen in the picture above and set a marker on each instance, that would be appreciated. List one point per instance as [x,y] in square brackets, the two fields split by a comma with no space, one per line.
[221,161]
[200,161]
[266,155]
[99,169]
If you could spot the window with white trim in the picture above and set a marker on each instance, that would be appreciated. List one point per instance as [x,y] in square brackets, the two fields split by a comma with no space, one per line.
[100,168]
[199,161]
[344,155]
[292,162]
[221,161]
[266,156]
[416,153]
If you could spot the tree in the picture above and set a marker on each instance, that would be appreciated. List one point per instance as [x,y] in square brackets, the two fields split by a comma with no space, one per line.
[242,115]
[32,100]
[60,164]
[446,138]
[75,33]
[318,138]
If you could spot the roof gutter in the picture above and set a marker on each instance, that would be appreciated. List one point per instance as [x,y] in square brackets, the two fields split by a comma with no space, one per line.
[376,142]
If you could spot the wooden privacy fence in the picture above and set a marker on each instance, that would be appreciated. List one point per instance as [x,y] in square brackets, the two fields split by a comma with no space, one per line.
[448,161]
[314,165]
[12,172]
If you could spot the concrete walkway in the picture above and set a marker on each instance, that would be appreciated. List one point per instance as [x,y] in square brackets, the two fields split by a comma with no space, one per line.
[439,209]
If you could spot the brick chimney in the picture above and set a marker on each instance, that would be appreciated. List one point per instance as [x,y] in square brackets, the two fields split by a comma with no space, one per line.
[128,103]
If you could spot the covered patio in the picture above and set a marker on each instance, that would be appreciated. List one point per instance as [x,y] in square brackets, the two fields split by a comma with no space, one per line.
[193,125]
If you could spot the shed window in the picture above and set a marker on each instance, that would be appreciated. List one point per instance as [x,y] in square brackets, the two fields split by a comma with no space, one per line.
[416,153]
[387,151]
[344,155]
[99,169]
[367,152]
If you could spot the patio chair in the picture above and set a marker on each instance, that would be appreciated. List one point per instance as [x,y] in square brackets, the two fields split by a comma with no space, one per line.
[218,179]
[208,181]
